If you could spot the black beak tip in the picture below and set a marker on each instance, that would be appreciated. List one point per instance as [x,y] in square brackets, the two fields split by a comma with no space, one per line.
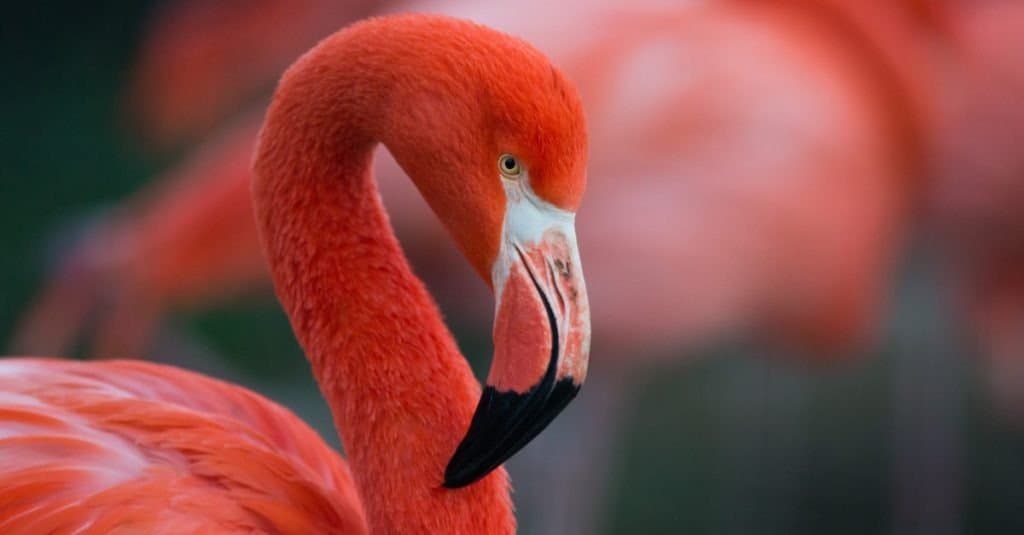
[456,479]
[504,422]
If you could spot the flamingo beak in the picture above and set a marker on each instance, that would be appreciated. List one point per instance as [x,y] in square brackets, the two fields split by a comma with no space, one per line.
[541,337]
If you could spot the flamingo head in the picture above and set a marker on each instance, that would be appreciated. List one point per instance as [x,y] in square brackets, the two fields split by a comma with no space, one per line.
[504,169]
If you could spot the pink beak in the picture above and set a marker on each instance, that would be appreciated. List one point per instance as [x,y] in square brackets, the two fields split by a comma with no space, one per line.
[541,348]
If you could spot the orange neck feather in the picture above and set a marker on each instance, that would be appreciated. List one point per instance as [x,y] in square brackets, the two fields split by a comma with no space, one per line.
[400,391]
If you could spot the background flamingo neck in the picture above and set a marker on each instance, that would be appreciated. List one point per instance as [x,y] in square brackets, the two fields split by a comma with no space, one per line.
[400,392]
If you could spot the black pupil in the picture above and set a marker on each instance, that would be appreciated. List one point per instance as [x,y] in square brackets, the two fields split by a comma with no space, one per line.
[510,164]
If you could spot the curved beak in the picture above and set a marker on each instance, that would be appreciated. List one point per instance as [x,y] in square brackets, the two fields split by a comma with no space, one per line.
[541,337]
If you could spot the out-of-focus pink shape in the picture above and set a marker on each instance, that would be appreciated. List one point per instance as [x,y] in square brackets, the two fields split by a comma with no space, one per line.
[978,199]
[200,59]
[185,241]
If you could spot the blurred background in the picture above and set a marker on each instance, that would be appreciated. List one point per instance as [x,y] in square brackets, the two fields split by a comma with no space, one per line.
[803,238]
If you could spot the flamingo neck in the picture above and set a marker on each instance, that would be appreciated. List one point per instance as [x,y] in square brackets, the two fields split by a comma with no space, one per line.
[400,391]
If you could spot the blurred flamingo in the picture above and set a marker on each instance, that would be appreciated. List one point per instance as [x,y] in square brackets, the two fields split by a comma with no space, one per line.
[117,446]
[744,208]
[188,239]
[775,151]
[200,59]
[979,191]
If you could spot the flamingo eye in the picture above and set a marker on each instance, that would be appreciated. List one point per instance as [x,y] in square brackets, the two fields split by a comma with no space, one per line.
[509,166]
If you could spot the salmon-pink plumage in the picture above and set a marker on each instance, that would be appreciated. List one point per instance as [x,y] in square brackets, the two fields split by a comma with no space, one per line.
[159,450]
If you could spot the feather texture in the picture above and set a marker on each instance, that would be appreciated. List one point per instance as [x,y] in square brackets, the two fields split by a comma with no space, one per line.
[134,447]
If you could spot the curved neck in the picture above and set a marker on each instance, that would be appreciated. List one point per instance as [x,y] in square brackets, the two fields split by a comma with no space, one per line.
[400,392]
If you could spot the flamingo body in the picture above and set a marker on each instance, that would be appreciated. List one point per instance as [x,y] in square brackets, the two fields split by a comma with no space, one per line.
[155,449]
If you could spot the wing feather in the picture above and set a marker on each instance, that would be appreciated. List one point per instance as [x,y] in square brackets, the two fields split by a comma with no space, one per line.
[135,447]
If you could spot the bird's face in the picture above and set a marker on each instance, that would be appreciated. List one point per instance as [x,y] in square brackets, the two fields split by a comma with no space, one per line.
[541,325]
[506,178]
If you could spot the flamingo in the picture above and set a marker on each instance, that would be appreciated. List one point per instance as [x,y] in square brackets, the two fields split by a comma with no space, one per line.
[494,137]
[746,211]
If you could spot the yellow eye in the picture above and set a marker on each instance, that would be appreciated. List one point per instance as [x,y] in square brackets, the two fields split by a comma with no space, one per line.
[509,166]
